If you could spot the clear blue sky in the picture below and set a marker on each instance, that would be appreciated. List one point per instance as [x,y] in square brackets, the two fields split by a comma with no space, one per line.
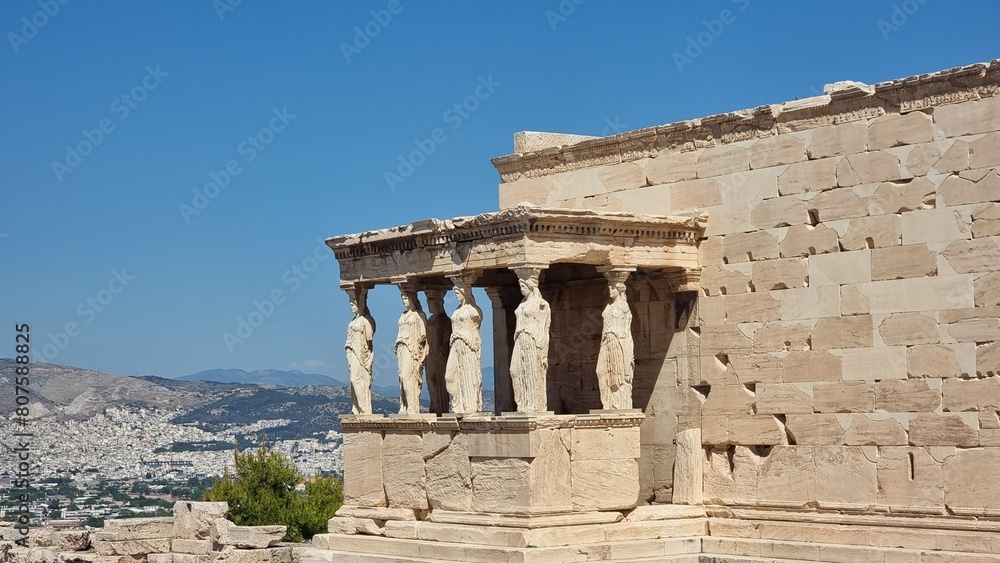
[197,85]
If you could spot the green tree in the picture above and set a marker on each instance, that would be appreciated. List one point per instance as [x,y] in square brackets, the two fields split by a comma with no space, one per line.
[262,492]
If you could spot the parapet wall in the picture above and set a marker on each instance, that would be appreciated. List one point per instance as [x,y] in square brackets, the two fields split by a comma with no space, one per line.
[845,351]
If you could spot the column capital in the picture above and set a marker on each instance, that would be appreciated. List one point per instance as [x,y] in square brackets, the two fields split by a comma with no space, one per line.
[616,273]
[464,277]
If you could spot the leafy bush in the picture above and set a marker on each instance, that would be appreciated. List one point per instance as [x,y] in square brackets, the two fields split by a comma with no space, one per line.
[263,492]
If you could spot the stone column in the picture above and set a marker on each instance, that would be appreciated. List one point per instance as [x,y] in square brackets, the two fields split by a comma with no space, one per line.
[411,348]
[438,345]
[360,355]
[616,359]
[504,300]
[529,361]
[464,372]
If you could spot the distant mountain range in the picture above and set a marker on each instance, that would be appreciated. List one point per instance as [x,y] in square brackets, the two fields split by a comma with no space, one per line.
[264,377]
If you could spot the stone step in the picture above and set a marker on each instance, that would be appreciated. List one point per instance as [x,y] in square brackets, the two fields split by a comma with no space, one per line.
[969,541]
[783,551]
[547,537]
[383,550]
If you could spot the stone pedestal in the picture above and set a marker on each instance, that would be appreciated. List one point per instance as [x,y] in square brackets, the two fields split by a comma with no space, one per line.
[517,465]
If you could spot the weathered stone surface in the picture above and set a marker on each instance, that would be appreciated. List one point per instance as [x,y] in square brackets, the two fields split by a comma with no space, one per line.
[192,547]
[622,176]
[782,398]
[812,365]
[711,251]
[778,336]
[725,279]
[695,194]
[931,429]
[894,130]
[723,159]
[911,261]
[907,395]
[787,476]
[449,475]
[988,359]
[847,396]
[806,240]
[132,547]
[832,140]
[225,533]
[747,247]
[350,526]
[867,430]
[988,290]
[840,268]
[868,168]
[810,303]
[671,167]
[71,540]
[808,176]
[688,468]
[755,368]
[728,399]
[773,151]
[975,330]
[752,307]
[605,484]
[403,470]
[974,186]
[815,429]
[986,220]
[136,529]
[500,485]
[922,157]
[897,197]
[731,475]
[843,332]
[956,158]
[363,482]
[908,329]
[936,225]
[971,480]
[780,212]
[962,395]
[377,513]
[968,118]
[873,232]
[743,429]
[932,360]
[779,274]
[908,478]
[978,255]
[985,152]
[874,363]
[839,203]
[918,294]
[273,555]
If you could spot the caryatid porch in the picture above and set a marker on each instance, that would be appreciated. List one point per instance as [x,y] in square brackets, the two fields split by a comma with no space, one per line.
[565,438]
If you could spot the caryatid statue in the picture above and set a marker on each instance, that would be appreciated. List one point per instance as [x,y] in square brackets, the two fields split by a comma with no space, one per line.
[411,351]
[529,361]
[360,354]
[616,359]
[464,375]
[438,346]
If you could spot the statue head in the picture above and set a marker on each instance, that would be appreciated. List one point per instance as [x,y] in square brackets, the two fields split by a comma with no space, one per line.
[460,294]
[616,289]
